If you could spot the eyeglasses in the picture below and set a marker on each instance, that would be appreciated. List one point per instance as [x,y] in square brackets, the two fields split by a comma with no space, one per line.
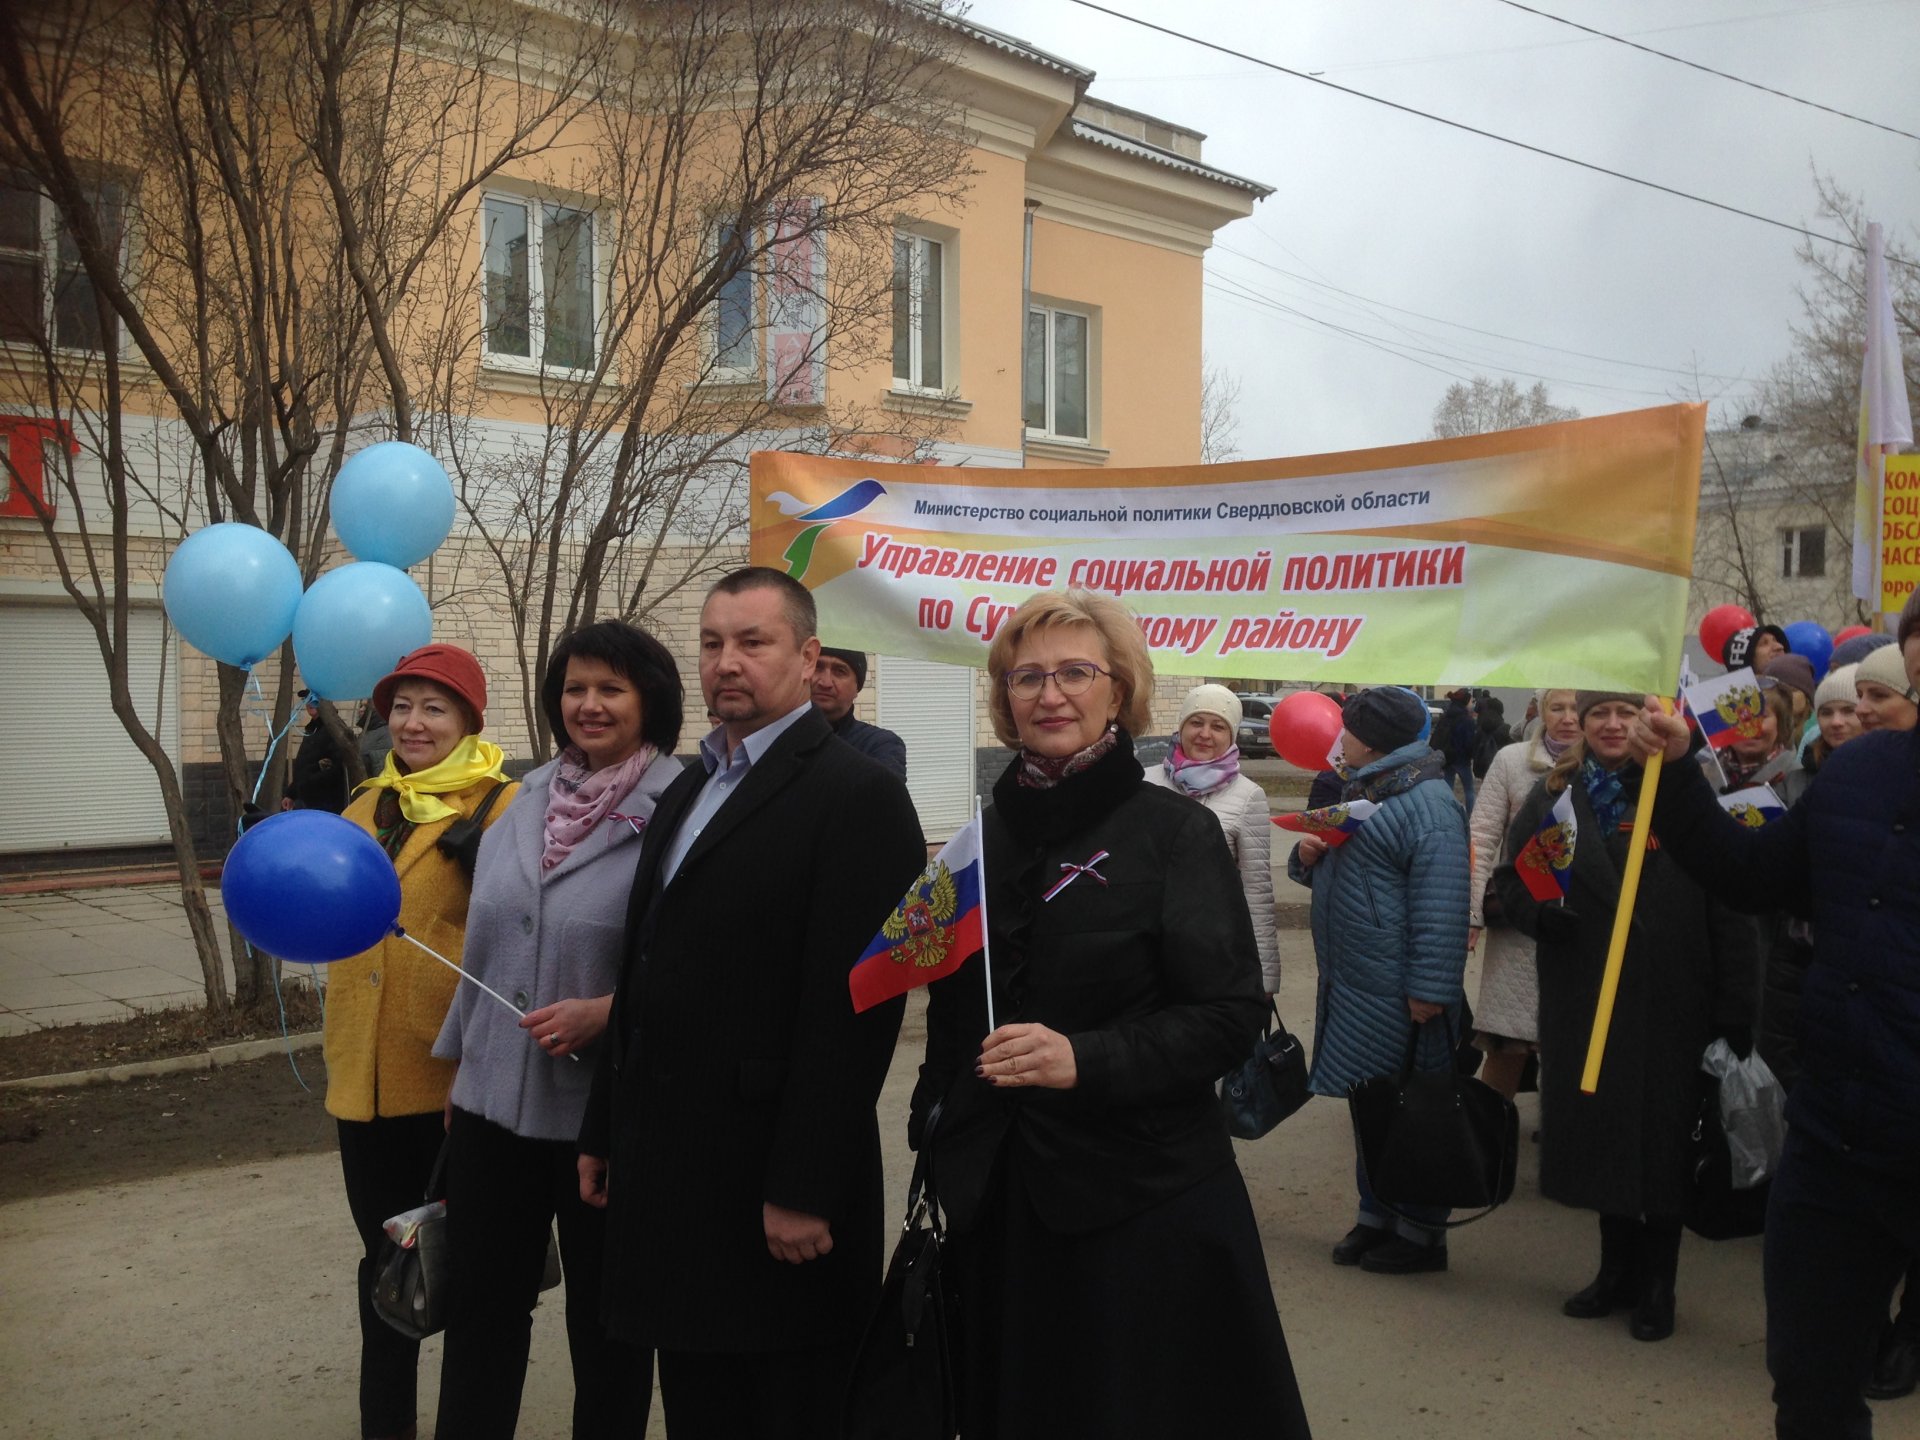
[1074,679]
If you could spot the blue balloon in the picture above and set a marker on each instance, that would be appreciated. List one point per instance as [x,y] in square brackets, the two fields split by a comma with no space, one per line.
[353,624]
[392,503]
[231,590]
[1810,640]
[309,886]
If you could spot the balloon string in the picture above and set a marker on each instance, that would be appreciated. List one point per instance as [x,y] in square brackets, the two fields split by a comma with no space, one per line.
[571,1054]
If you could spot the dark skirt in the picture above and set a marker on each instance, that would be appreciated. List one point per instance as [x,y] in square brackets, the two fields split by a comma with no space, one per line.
[1161,1325]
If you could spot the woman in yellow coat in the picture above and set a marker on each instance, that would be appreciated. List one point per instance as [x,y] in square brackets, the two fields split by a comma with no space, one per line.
[385,1007]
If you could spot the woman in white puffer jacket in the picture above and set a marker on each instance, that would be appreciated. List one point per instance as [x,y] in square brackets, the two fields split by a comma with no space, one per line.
[1204,763]
[1507,1014]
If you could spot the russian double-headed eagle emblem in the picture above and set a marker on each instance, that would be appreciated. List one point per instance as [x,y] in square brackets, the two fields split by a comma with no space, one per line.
[921,927]
[1324,822]
[1552,850]
[1749,815]
[1742,709]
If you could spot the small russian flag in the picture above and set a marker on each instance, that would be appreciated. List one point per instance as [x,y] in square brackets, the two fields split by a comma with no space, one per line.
[1545,862]
[1335,824]
[932,931]
[1753,806]
[1729,708]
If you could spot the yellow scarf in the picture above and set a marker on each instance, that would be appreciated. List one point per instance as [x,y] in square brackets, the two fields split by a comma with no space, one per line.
[467,764]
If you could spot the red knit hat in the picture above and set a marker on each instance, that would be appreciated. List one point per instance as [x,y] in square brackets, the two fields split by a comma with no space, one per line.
[447,666]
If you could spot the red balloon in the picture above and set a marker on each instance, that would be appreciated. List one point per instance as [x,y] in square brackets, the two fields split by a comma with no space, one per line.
[1717,627]
[1304,727]
[1852,632]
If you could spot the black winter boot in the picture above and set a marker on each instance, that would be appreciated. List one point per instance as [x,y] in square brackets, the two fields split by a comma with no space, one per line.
[1618,1282]
[1660,1264]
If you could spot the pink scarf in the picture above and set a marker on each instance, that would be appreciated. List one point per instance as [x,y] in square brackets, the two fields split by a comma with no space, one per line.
[580,799]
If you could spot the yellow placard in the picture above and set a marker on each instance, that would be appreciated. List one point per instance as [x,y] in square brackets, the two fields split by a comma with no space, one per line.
[1899,532]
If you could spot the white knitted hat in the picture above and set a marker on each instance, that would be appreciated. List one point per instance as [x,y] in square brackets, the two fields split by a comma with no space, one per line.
[1211,700]
[1837,686]
[1886,667]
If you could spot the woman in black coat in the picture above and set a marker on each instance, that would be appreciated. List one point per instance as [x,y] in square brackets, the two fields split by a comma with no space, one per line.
[1688,976]
[1109,1275]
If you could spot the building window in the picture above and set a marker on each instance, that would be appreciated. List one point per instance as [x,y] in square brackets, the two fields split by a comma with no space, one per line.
[1803,552]
[540,285]
[919,290]
[1057,365]
[735,331]
[44,289]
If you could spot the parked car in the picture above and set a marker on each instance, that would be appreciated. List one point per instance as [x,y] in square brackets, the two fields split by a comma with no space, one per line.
[1255,737]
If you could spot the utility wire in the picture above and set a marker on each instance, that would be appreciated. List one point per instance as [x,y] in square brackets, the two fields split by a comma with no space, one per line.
[1370,302]
[1706,69]
[1483,134]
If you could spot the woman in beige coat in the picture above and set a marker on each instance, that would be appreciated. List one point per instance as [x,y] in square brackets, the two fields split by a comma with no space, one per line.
[1204,763]
[1507,1012]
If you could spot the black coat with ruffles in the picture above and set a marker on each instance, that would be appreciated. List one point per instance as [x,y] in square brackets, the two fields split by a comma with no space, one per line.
[1151,972]
[1688,975]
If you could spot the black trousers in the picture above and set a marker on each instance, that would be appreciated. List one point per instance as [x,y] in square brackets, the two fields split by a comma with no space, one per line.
[1838,1238]
[503,1192]
[385,1162]
[775,1395]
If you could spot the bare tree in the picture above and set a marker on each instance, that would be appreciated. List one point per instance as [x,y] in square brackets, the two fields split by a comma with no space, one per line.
[713,269]
[1219,416]
[1476,408]
[249,196]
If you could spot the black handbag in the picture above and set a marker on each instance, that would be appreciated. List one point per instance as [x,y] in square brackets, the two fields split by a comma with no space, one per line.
[460,841]
[902,1386]
[1269,1086]
[410,1279]
[1714,1209]
[1435,1138]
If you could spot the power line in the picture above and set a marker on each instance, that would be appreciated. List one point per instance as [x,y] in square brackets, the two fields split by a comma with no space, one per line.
[1367,300]
[1476,130]
[1706,69]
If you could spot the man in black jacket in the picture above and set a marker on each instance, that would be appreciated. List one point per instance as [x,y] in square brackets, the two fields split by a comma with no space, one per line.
[731,1130]
[837,679]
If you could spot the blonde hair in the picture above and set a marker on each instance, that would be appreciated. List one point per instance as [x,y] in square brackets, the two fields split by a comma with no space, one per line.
[1126,654]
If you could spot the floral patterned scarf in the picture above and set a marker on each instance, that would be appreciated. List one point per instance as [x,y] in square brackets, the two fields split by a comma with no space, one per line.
[580,799]
[1043,772]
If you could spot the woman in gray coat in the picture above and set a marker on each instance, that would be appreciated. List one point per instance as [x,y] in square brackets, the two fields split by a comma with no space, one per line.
[1390,934]
[546,930]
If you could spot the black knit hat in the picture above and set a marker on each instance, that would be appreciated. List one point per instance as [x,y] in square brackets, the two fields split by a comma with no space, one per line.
[1739,650]
[856,661]
[1385,718]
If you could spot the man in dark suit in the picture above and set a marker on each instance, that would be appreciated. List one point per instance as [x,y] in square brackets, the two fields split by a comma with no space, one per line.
[731,1130]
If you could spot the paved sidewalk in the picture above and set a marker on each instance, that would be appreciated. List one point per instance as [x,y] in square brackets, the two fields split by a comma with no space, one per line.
[81,956]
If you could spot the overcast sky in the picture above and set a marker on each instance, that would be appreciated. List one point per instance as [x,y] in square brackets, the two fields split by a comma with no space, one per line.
[1402,212]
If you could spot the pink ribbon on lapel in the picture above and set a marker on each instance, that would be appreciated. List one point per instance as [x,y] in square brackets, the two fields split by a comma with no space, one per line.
[1074,872]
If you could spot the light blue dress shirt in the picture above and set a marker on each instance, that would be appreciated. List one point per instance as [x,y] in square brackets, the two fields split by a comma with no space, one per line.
[724,774]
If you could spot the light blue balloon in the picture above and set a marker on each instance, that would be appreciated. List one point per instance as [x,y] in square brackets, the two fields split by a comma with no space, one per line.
[353,624]
[392,504]
[232,590]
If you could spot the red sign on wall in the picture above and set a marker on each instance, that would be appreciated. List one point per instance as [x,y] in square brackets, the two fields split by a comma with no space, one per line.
[23,476]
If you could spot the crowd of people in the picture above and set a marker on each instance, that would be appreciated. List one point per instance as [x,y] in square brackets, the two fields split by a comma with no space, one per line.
[683,1103]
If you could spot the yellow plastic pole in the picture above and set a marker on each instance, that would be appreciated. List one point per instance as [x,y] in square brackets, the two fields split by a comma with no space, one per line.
[1622,920]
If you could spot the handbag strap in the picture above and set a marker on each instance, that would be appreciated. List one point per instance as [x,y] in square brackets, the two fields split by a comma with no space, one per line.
[480,815]
[1400,1214]
[1413,1040]
[923,1197]
[436,1178]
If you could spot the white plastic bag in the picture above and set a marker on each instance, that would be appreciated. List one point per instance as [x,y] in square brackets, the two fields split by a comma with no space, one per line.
[404,1229]
[1753,1112]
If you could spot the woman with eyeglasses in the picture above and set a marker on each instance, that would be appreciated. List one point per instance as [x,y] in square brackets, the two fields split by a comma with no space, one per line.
[1102,1238]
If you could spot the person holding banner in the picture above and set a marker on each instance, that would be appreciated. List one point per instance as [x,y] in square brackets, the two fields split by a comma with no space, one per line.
[1390,936]
[546,926]
[1204,763]
[384,1008]
[1102,1241]
[1689,973]
[1508,1013]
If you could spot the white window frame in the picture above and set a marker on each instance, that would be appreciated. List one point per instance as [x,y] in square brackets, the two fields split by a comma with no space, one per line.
[47,258]
[915,381]
[534,363]
[1051,310]
[717,373]
[1791,562]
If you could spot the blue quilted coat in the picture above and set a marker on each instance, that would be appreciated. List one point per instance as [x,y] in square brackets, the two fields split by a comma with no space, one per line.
[1389,922]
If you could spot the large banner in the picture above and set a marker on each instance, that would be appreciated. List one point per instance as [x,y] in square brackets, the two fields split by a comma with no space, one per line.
[1556,555]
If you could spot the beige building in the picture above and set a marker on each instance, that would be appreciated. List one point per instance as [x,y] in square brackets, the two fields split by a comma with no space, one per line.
[1095,360]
